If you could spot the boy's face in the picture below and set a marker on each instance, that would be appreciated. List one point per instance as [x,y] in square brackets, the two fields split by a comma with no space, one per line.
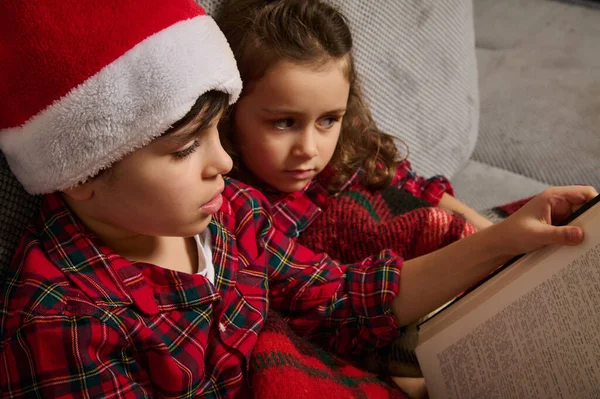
[171,187]
[287,126]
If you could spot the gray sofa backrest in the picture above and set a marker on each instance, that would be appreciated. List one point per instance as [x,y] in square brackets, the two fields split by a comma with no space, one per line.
[417,61]
[418,66]
[16,208]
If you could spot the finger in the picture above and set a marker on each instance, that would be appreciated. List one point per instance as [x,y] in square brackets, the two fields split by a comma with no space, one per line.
[590,196]
[576,195]
[561,209]
[564,201]
[565,235]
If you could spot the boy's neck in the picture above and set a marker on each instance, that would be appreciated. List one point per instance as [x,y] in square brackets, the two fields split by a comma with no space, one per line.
[174,253]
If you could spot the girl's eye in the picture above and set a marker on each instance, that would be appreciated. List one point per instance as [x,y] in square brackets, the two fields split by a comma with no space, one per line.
[187,151]
[327,122]
[283,124]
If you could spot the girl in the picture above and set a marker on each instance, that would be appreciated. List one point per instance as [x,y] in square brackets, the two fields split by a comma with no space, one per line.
[302,133]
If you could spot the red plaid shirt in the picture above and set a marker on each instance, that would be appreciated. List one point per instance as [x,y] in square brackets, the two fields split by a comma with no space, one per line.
[78,320]
[293,213]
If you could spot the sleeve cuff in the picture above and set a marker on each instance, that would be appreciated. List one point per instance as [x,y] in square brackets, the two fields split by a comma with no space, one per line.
[372,289]
[434,188]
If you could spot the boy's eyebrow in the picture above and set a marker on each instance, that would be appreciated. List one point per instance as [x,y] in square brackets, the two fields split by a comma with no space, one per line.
[182,135]
[177,138]
[189,132]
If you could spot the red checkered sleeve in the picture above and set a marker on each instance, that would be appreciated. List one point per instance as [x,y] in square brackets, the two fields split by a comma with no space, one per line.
[429,189]
[66,356]
[348,306]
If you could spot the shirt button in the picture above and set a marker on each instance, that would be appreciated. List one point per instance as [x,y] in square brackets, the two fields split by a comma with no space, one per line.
[222,327]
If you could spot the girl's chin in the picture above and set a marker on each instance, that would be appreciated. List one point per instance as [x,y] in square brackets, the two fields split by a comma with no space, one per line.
[292,186]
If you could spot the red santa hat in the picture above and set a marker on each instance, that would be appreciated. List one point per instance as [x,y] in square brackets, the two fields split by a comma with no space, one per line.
[84,83]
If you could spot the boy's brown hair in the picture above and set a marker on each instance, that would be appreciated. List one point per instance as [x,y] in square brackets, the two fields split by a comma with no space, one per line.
[262,33]
[204,111]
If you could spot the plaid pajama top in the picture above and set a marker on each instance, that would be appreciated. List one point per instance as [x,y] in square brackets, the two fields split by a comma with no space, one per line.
[294,212]
[78,320]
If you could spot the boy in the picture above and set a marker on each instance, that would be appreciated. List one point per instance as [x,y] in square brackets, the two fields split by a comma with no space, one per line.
[145,272]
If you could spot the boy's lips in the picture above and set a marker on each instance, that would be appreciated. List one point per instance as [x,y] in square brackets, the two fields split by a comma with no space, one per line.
[214,204]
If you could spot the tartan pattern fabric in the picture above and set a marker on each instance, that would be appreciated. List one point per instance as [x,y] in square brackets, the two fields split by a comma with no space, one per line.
[284,365]
[295,212]
[428,189]
[78,320]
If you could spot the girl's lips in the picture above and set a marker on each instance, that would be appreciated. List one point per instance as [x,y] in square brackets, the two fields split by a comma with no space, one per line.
[301,174]
[213,205]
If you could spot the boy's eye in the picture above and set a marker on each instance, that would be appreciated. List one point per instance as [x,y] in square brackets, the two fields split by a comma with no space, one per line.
[282,124]
[187,151]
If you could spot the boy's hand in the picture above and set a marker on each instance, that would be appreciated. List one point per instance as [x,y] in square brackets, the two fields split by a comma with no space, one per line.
[414,388]
[533,226]
[429,281]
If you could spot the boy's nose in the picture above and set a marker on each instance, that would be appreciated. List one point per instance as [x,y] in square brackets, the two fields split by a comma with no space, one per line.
[225,163]
[219,162]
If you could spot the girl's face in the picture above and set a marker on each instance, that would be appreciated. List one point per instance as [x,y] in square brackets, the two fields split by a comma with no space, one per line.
[288,125]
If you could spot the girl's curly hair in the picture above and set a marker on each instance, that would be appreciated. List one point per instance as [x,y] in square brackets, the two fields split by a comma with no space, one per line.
[262,33]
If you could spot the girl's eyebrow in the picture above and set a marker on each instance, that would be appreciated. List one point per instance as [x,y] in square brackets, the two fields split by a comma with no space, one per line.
[292,112]
[281,111]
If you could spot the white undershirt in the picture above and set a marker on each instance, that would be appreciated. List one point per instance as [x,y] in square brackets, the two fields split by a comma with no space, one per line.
[205,263]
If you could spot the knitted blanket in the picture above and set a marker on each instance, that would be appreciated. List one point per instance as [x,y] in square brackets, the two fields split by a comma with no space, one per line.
[284,365]
[358,223]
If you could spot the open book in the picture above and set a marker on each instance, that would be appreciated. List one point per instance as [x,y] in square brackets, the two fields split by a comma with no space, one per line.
[530,330]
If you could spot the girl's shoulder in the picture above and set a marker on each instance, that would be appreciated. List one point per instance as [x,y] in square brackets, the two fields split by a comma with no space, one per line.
[240,197]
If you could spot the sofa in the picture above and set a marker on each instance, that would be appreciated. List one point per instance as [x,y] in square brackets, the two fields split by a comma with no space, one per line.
[525,121]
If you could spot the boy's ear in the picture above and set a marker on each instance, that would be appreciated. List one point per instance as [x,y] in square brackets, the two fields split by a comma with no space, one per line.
[82,192]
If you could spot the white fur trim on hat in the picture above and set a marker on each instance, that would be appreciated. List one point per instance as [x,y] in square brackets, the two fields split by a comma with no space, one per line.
[123,107]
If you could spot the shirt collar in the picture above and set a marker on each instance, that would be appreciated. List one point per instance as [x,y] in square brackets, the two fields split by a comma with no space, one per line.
[107,278]
[295,212]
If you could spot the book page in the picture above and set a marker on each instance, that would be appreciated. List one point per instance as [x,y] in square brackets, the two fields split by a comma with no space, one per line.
[539,337]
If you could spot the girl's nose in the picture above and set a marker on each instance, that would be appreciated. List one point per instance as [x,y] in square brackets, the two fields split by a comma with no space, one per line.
[306,145]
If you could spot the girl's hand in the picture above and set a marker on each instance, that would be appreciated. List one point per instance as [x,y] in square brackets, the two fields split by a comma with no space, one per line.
[533,226]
